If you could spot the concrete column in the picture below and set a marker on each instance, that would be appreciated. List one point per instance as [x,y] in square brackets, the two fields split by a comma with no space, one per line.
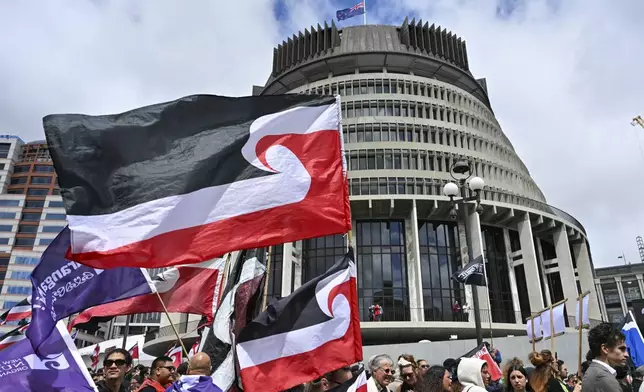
[287,269]
[413,266]
[546,285]
[566,270]
[640,283]
[600,299]
[530,264]
[512,278]
[476,238]
[622,297]
[586,278]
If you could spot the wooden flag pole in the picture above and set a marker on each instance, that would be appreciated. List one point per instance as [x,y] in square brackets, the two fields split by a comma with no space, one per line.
[534,338]
[267,278]
[224,281]
[165,310]
[580,301]
[552,330]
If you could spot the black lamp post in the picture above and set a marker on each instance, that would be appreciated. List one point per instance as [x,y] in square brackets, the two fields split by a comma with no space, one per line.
[461,171]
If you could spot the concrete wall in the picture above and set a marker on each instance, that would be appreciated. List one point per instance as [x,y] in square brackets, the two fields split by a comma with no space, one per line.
[436,352]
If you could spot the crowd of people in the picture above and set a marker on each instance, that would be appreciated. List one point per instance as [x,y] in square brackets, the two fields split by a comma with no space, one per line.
[606,369]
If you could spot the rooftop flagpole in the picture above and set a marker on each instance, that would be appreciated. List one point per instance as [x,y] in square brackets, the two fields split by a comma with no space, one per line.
[364,15]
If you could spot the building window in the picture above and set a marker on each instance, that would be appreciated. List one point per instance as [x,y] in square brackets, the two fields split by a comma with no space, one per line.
[24,242]
[319,254]
[37,191]
[44,168]
[498,276]
[522,286]
[9,203]
[440,258]
[7,215]
[21,169]
[34,203]
[45,241]
[52,229]
[18,290]
[382,269]
[26,260]
[275,275]
[41,180]
[9,305]
[21,275]
[18,180]
[56,204]
[631,288]
[6,228]
[16,191]
[4,150]
[55,216]
[4,241]
[611,295]
[27,229]
[31,216]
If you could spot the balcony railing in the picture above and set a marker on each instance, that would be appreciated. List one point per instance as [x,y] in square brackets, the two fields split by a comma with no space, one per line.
[184,328]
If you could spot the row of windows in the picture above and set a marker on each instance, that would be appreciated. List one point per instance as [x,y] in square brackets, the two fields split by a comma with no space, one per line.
[23,275]
[34,180]
[34,191]
[37,168]
[425,160]
[393,86]
[416,110]
[18,290]
[9,203]
[26,260]
[34,216]
[420,133]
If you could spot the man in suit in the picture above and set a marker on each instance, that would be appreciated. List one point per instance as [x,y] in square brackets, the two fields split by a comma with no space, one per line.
[608,349]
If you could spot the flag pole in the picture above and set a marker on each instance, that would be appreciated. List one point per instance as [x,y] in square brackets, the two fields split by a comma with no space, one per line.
[364,16]
[534,343]
[126,330]
[165,310]
[267,277]
[487,297]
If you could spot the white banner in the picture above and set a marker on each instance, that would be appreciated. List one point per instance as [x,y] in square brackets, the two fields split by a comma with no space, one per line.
[545,323]
[559,319]
[536,334]
[586,319]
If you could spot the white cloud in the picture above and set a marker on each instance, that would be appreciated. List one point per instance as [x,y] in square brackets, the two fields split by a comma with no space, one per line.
[564,77]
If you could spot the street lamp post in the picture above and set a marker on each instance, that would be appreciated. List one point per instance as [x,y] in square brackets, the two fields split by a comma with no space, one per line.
[461,171]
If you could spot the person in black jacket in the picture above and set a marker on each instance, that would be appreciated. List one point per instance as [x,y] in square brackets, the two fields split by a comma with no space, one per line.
[115,365]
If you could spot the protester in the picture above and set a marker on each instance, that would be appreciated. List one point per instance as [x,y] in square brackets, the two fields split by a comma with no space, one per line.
[423,367]
[608,350]
[437,379]
[331,380]
[473,374]
[134,384]
[638,376]
[182,369]
[160,375]
[622,377]
[545,376]
[115,365]
[409,375]
[198,376]
[515,377]
[563,374]
[382,373]
[398,380]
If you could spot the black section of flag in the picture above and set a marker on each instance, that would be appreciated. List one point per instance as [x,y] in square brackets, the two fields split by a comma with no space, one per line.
[298,310]
[472,273]
[19,311]
[109,163]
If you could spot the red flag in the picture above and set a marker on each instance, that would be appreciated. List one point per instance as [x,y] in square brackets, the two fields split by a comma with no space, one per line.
[495,371]
[176,354]
[191,289]
[134,351]
[194,348]
[97,351]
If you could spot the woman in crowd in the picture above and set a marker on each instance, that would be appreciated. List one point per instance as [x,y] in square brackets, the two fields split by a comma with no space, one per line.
[515,377]
[544,377]
[437,379]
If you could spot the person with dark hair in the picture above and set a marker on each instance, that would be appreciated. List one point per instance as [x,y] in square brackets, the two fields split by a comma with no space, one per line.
[515,377]
[331,380]
[545,376]
[608,350]
[116,364]
[182,369]
[622,378]
[437,379]
[423,367]
[160,378]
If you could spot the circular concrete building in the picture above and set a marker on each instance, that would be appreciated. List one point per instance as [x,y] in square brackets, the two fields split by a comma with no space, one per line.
[411,108]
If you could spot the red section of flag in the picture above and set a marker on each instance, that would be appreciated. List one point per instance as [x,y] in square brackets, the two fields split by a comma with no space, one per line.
[324,211]
[94,357]
[134,351]
[194,348]
[176,354]
[191,289]
[495,371]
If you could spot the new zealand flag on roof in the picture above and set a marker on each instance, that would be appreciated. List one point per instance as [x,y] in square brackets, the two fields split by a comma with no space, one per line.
[347,13]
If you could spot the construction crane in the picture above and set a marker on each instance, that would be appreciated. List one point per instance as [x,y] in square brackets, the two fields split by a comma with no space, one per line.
[638,120]
[640,247]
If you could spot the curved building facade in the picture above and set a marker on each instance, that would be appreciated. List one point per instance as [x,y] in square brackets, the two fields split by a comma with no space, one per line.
[411,108]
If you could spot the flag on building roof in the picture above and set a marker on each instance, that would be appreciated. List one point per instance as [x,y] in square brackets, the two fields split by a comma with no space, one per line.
[18,312]
[299,338]
[176,354]
[357,384]
[472,273]
[13,336]
[347,13]
[134,351]
[162,185]
[59,367]
[191,289]
[62,287]
[634,339]
[240,297]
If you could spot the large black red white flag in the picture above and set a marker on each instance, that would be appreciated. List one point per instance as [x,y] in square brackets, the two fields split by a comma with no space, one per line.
[13,336]
[185,181]
[299,338]
[357,384]
[194,289]
[18,312]
[234,313]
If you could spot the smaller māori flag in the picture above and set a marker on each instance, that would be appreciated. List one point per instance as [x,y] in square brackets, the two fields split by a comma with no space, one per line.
[18,312]
[472,273]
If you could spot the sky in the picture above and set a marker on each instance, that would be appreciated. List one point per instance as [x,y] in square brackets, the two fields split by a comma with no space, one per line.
[564,77]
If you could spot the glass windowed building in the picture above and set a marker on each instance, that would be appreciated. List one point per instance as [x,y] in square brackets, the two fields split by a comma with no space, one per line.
[411,108]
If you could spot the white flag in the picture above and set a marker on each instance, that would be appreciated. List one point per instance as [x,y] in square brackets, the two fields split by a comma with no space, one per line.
[584,315]
[559,319]
[545,323]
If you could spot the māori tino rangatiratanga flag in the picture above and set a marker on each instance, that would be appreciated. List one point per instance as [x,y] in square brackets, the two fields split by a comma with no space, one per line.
[472,273]
[299,338]
[186,181]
